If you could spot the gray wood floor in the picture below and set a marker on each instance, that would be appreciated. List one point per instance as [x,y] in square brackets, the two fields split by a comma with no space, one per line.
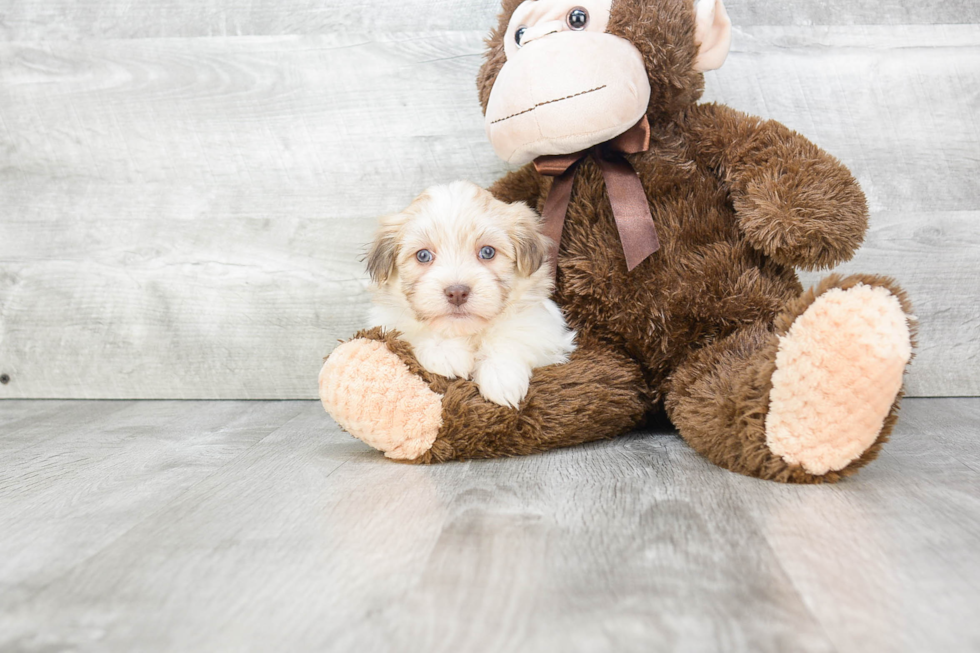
[211,526]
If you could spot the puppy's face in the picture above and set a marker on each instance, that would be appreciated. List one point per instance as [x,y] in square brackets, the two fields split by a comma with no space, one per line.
[456,255]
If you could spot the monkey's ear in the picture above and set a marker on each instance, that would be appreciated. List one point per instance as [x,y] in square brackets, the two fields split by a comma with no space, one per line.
[530,247]
[713,34]
[383,254]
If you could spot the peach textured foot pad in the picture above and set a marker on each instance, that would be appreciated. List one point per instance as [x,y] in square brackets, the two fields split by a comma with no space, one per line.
[375,398]
[838,371]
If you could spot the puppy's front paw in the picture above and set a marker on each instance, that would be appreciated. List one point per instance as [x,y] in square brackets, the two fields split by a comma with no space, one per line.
[447,358]
[502,382]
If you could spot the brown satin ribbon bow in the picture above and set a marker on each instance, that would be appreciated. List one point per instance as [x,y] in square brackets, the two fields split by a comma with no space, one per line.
[637,231]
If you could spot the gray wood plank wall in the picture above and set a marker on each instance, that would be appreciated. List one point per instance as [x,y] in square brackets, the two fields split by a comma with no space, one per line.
[187,185]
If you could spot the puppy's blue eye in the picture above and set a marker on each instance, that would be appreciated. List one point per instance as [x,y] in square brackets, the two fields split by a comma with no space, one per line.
[487,253]
[424,256]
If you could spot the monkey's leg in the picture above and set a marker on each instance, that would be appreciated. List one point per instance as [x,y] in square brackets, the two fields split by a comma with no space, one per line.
[810,399]
[375,389]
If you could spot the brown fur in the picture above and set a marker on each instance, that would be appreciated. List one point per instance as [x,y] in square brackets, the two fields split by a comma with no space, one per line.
[739,203]
[598,394]
[530,248]
[382,256]
[719,397]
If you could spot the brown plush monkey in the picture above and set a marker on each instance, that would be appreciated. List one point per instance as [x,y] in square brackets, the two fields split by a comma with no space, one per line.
[685,299]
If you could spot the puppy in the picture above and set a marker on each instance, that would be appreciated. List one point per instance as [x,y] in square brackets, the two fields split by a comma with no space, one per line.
[462,276]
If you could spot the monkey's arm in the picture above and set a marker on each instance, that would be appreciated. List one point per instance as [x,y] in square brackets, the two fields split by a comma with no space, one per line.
[795,202]
[522,185]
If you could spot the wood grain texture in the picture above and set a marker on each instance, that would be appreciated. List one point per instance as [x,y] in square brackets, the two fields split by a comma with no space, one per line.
[123,19]
[856,12]
[205,213]
[74,490]
[909,529]
[199,526]
[183,217]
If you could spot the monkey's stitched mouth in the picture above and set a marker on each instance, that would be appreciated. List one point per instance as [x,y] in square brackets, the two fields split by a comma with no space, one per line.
[541,104]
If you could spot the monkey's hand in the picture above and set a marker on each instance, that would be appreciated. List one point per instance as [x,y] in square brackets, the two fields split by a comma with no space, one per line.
[795,203]
[803,210]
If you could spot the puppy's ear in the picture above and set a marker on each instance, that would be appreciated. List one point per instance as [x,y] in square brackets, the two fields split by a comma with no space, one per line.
[530,246]
[383,253]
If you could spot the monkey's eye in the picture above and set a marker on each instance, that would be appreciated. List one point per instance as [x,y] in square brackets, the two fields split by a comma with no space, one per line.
[424,256]
[487,252]
[519,35]
[578,18]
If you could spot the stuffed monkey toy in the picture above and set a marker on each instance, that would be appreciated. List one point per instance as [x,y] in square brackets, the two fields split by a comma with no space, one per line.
[677,229]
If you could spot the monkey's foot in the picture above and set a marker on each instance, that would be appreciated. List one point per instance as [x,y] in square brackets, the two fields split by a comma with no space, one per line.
[838,372]
[374,396]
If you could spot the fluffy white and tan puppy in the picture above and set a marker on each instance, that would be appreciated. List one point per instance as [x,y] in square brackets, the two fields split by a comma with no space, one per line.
[463,277]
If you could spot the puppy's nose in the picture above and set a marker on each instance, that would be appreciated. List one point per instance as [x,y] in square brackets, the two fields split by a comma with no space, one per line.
[457,294]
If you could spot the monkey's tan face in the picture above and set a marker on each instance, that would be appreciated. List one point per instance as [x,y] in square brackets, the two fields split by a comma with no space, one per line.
[567,84]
